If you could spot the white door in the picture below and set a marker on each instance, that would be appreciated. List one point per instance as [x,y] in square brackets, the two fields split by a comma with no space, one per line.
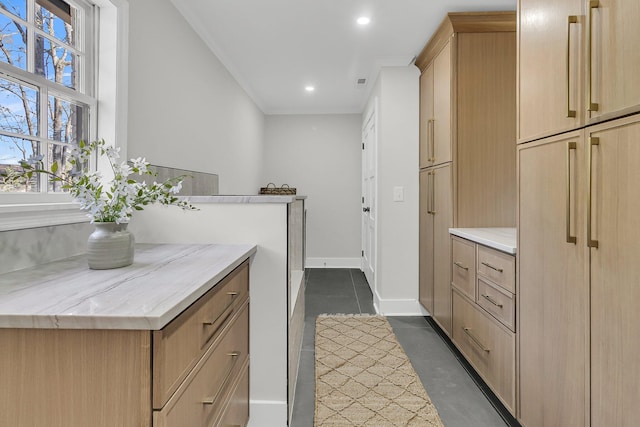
[369,166]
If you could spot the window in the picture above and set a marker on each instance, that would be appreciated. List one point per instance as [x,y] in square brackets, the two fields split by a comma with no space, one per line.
[47,81]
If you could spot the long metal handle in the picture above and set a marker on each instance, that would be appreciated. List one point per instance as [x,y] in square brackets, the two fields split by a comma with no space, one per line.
[428,193]
[432,139]
[459,264]
[593,106]
[499,270]
[570,146]
[474,339]
[212,400]
[572,19]
[492,301]
[592,141]
[433,192]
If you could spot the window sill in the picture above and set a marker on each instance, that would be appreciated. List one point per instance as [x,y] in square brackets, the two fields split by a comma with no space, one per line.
[23,216]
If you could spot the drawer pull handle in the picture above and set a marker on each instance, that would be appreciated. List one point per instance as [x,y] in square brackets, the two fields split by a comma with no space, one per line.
[224,313]
[459,264]
[499,270]
[475,340]
[491,300]
[212,400]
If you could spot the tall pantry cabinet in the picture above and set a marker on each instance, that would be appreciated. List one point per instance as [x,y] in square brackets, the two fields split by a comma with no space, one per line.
[467,134]
[578,226]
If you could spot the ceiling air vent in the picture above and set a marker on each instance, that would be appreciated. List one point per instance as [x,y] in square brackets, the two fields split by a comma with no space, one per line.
[361,81]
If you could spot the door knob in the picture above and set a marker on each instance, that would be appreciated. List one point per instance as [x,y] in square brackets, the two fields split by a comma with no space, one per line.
[366,209]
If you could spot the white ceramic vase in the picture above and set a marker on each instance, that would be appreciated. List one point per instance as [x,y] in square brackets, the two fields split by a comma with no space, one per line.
[111,245]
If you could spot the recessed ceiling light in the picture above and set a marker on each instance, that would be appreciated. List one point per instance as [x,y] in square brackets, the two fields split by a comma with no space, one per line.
[363,20]
[309,88]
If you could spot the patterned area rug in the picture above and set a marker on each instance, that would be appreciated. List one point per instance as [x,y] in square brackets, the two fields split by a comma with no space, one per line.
[364,378]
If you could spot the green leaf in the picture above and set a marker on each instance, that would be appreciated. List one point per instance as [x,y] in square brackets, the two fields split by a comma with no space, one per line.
[54,167]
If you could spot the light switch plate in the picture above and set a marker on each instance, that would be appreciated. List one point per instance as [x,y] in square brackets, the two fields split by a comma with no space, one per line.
[398,194]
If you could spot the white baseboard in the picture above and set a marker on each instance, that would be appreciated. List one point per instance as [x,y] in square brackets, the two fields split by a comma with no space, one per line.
[333,262]
[398,307]
[267,413]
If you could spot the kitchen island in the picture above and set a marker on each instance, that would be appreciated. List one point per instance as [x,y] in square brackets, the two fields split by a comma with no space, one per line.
[276,224]
[134,346]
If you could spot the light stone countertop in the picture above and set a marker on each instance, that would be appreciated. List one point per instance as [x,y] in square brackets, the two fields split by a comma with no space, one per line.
[502,239]
[163,281]
[256,198]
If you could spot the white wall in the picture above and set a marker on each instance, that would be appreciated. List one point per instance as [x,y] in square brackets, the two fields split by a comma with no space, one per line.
[320,156]
[397,90]
[185,109]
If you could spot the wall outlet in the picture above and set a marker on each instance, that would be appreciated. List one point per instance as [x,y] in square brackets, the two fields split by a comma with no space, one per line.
[398,194]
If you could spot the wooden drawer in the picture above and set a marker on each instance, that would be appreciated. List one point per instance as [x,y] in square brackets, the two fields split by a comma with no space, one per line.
[497,266]
[200,398]
[488,346]
[236,413]
[464,266]
[497,301]
[178,346]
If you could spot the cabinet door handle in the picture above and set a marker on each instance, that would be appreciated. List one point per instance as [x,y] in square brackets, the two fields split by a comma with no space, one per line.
[459,264]
[432,139]
[211,400]
[499,270]
[492,301]
[475,340]
[433,192]
[572,19]
[593,106]
[570,146]
[428,193]
[592,141]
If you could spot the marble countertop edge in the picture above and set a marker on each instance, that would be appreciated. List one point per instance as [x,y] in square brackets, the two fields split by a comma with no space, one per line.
[143,296]
[501,238]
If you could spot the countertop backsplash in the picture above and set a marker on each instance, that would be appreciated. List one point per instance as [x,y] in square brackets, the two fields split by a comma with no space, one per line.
[26,248]
[196,184]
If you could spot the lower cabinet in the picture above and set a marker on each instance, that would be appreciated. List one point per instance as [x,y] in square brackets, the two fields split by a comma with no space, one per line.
[194,372]
[488,346]
[579,245]
[483,310]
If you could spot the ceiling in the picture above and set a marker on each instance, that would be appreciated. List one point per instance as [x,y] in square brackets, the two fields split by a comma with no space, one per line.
[274,48]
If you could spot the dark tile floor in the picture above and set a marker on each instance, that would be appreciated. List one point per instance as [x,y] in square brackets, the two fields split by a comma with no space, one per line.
[458,398]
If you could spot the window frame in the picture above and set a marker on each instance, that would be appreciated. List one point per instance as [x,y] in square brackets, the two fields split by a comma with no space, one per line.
[107,119]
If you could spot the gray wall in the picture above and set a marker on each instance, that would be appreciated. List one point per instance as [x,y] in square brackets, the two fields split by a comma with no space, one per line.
[186,111]
[320,156]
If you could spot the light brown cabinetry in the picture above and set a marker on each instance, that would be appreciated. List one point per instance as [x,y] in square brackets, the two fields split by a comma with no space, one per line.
[614,230]
[578,277]
[553,291]
[550,64]
[192,372]
[467,134]
[488,346]
[576,64]
[463,254]
[435,220]
[483,318]
[435,108]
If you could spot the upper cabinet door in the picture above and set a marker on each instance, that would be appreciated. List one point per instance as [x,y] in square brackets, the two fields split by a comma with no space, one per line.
[426,117]
[613,58]
[550,67]
[442,106]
